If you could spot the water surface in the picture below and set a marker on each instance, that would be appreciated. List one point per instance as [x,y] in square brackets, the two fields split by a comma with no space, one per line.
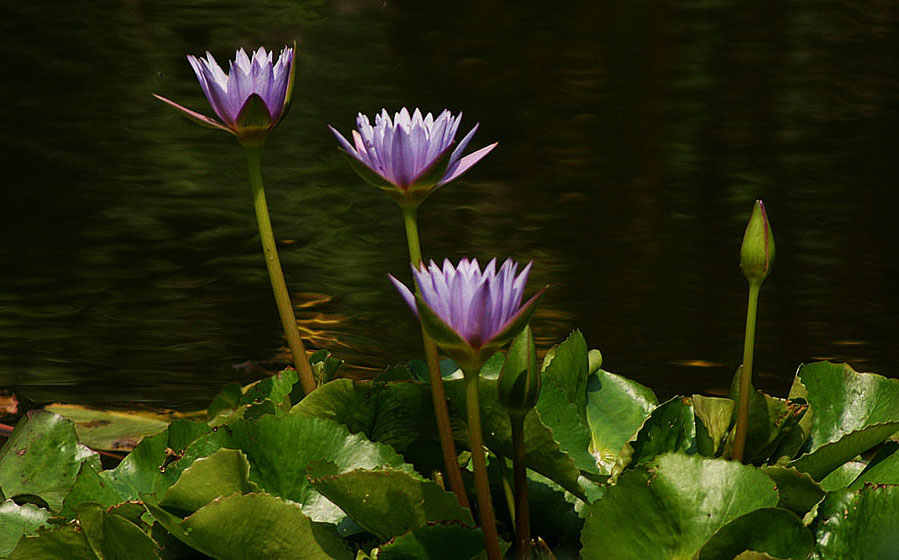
[634,138]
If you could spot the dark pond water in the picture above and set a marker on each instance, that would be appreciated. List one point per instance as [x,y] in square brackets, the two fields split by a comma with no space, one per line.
[634,138]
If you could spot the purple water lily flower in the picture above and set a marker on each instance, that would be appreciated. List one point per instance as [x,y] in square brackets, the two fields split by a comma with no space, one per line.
[468,312]
[250,99]
[409,155]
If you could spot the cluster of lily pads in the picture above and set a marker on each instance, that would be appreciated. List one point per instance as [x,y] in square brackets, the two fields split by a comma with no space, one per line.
[565,459]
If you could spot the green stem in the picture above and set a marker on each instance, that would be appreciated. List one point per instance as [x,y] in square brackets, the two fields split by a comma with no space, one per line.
[746,372]
[481,483]
[275,274]
[522,515]
[438,393]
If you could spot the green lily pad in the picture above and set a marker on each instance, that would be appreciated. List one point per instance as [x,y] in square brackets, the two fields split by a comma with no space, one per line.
[842,476]
[714,417]
[568,427]
[112,537]
[777,532]
[858,524]
[435,542]
[63,543]
[387,502]
[242,526]
[42,458]
[882,469]
[113,430]
[223,473]
[143,469]
[670,427]
[281,449]
[397,414]
[851,413]
[569,368]
[17,521]
[89,487]
[797,491]
[668,509]
[616,408]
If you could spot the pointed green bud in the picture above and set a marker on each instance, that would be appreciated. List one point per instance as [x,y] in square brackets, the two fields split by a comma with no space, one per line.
[519,380]
[757,252]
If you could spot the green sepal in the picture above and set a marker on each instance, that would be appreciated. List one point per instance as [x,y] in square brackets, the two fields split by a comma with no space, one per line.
[433,173]
[370,176]
[196,117]
[288,95]
[519,380]
[448,339]
[253,122]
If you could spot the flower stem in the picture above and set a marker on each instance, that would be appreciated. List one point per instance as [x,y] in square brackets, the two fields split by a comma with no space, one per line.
[275,274]
[438,394]
[522,515]
[481,483]
[746,372]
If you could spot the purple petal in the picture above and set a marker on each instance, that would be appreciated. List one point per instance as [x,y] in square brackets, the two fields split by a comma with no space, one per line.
[457,153]
[343,142]
[466,162]
[405,292]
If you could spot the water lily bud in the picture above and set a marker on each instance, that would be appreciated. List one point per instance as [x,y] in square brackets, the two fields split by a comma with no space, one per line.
[519,380]
[757,252]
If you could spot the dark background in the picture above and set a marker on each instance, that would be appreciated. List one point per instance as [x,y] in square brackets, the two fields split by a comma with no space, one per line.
[634,138]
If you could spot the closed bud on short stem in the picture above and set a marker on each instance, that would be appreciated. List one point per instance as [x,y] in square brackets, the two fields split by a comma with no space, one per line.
[519,380]
[757,252]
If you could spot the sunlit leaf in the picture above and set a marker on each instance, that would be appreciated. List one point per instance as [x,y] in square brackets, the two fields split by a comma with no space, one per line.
[388,502]
[858,524]
[42,458]
[17,521]
[616,408]
[777,532]
[668,509]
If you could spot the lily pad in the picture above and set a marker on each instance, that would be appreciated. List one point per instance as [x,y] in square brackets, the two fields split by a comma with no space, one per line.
[668,509]
[62,543]
[397,413]
[17,521]
[388,502]
[253,525]
[435,542]
[882,469]
[798,491]
[616,408]
[112,537]
[113,430]
[569,368]
[670,427]
[223,473]
[858,524]
[851,413]
[42,458]
[777,532]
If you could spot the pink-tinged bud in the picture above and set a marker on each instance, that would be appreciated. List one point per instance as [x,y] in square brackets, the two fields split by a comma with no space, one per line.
[757,252]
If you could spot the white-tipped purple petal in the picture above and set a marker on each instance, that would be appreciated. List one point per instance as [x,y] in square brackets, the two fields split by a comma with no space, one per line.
[404,147]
